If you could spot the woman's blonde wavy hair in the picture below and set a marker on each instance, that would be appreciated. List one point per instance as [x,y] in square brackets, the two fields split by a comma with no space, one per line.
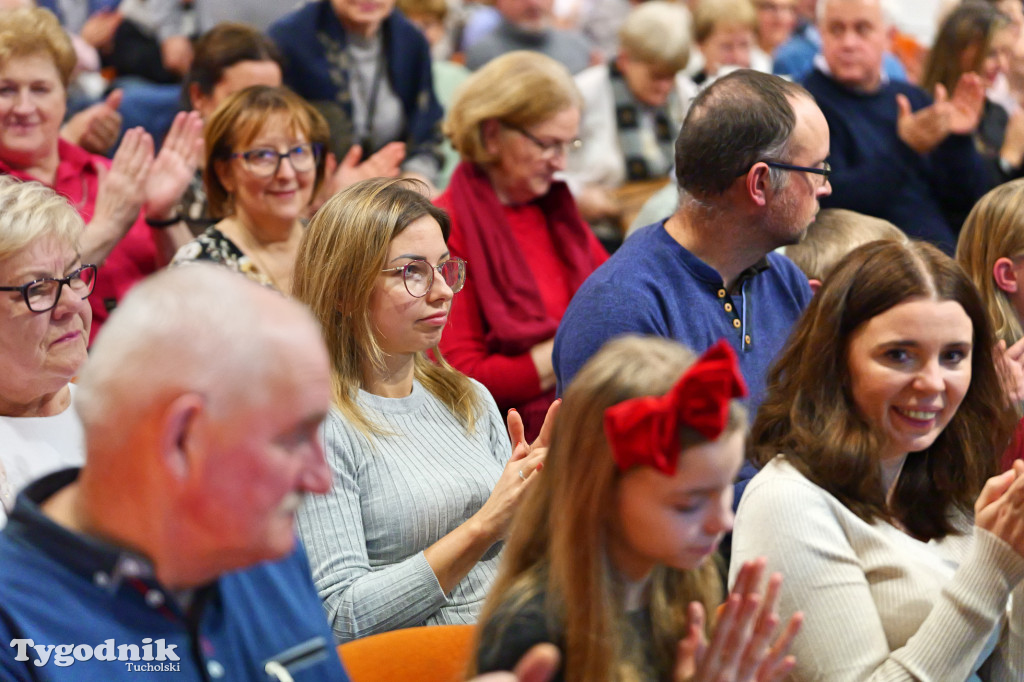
[339,260]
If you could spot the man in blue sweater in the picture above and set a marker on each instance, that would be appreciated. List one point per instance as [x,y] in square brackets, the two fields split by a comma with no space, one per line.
[750,160]
[896,154]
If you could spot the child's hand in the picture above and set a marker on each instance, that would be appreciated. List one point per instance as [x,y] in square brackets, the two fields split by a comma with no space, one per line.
[739,651]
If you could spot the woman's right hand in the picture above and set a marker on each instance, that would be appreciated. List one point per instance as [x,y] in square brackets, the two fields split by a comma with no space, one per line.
[1000,507]
[122,187]
[739,650]
[496,513]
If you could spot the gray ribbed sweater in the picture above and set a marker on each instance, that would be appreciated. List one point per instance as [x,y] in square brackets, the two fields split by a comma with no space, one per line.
[392,500]
[878,604]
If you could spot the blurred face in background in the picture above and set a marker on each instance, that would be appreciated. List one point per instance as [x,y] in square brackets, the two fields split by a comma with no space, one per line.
[853,40]
[728,45]
[776,20]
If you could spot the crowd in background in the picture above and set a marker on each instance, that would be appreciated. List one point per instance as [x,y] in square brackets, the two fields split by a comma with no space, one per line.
[448,214]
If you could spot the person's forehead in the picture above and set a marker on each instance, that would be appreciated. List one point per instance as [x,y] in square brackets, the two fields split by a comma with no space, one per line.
[859,10]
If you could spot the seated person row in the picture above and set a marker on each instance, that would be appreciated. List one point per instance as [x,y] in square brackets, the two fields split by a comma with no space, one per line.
[129,205]
[517,226]
[633,107]
[194,559]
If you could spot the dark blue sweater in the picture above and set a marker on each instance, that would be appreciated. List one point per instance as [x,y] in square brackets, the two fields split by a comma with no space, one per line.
[875,173]
[408,67]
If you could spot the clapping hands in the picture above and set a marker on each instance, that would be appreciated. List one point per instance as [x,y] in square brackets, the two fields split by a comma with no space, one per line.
[739,649]
[925,129]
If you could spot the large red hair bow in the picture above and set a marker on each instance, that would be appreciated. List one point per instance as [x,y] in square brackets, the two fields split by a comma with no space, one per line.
[644,431]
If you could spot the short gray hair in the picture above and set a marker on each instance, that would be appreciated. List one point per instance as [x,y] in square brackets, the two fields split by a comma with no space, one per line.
[196,328]
[658,32]
[30,211]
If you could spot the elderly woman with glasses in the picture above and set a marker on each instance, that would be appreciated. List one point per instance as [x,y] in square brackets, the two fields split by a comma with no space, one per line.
[425,480]
[518,226]
[129,202]
[264,163]
[44,328]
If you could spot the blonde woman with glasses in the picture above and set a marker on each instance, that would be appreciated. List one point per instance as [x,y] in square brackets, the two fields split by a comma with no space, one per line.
[425,480]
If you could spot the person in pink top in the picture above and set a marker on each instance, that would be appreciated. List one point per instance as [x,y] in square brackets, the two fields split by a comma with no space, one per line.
[129,204]
[518,226]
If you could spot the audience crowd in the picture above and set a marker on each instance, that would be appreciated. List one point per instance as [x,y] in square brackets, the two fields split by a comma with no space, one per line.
[642,339]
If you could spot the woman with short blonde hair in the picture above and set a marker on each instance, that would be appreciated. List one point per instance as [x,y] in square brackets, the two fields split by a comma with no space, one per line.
[517,225]
[44,330]
[533,89]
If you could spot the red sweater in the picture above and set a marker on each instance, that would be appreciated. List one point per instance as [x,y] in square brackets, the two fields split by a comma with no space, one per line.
[512,380]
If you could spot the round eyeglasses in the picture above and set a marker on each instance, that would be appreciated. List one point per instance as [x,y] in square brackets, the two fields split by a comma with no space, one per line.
[418,275]
[42,294]
[264,162]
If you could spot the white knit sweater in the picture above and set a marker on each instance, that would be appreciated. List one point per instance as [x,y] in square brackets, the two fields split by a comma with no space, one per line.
[878,604]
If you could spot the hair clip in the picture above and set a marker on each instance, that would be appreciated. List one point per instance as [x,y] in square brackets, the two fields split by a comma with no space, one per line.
[644,431]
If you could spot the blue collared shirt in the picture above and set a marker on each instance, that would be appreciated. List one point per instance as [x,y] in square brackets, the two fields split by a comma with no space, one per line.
[61,588]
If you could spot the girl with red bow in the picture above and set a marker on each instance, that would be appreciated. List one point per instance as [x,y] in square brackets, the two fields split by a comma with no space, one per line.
[610,556]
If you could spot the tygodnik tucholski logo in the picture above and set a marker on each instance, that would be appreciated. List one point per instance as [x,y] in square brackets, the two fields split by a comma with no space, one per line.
[152,656]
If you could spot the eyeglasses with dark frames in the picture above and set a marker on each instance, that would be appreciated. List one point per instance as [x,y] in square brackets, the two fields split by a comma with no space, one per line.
[264,161]
[418,275]
[547,148]
[43,294]
[824,171]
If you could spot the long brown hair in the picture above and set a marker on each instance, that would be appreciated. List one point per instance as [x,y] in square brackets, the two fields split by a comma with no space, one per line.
[337,265]
[557,543]
[810,415]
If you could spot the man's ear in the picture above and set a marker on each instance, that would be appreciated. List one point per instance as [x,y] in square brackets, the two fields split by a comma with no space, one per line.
[179,437]
[757,183]
[1005,275]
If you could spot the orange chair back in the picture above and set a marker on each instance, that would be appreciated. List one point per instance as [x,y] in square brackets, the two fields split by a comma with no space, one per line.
[436,653]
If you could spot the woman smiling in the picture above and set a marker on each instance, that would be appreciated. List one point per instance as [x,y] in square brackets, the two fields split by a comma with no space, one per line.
[264,162]
[884,418]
